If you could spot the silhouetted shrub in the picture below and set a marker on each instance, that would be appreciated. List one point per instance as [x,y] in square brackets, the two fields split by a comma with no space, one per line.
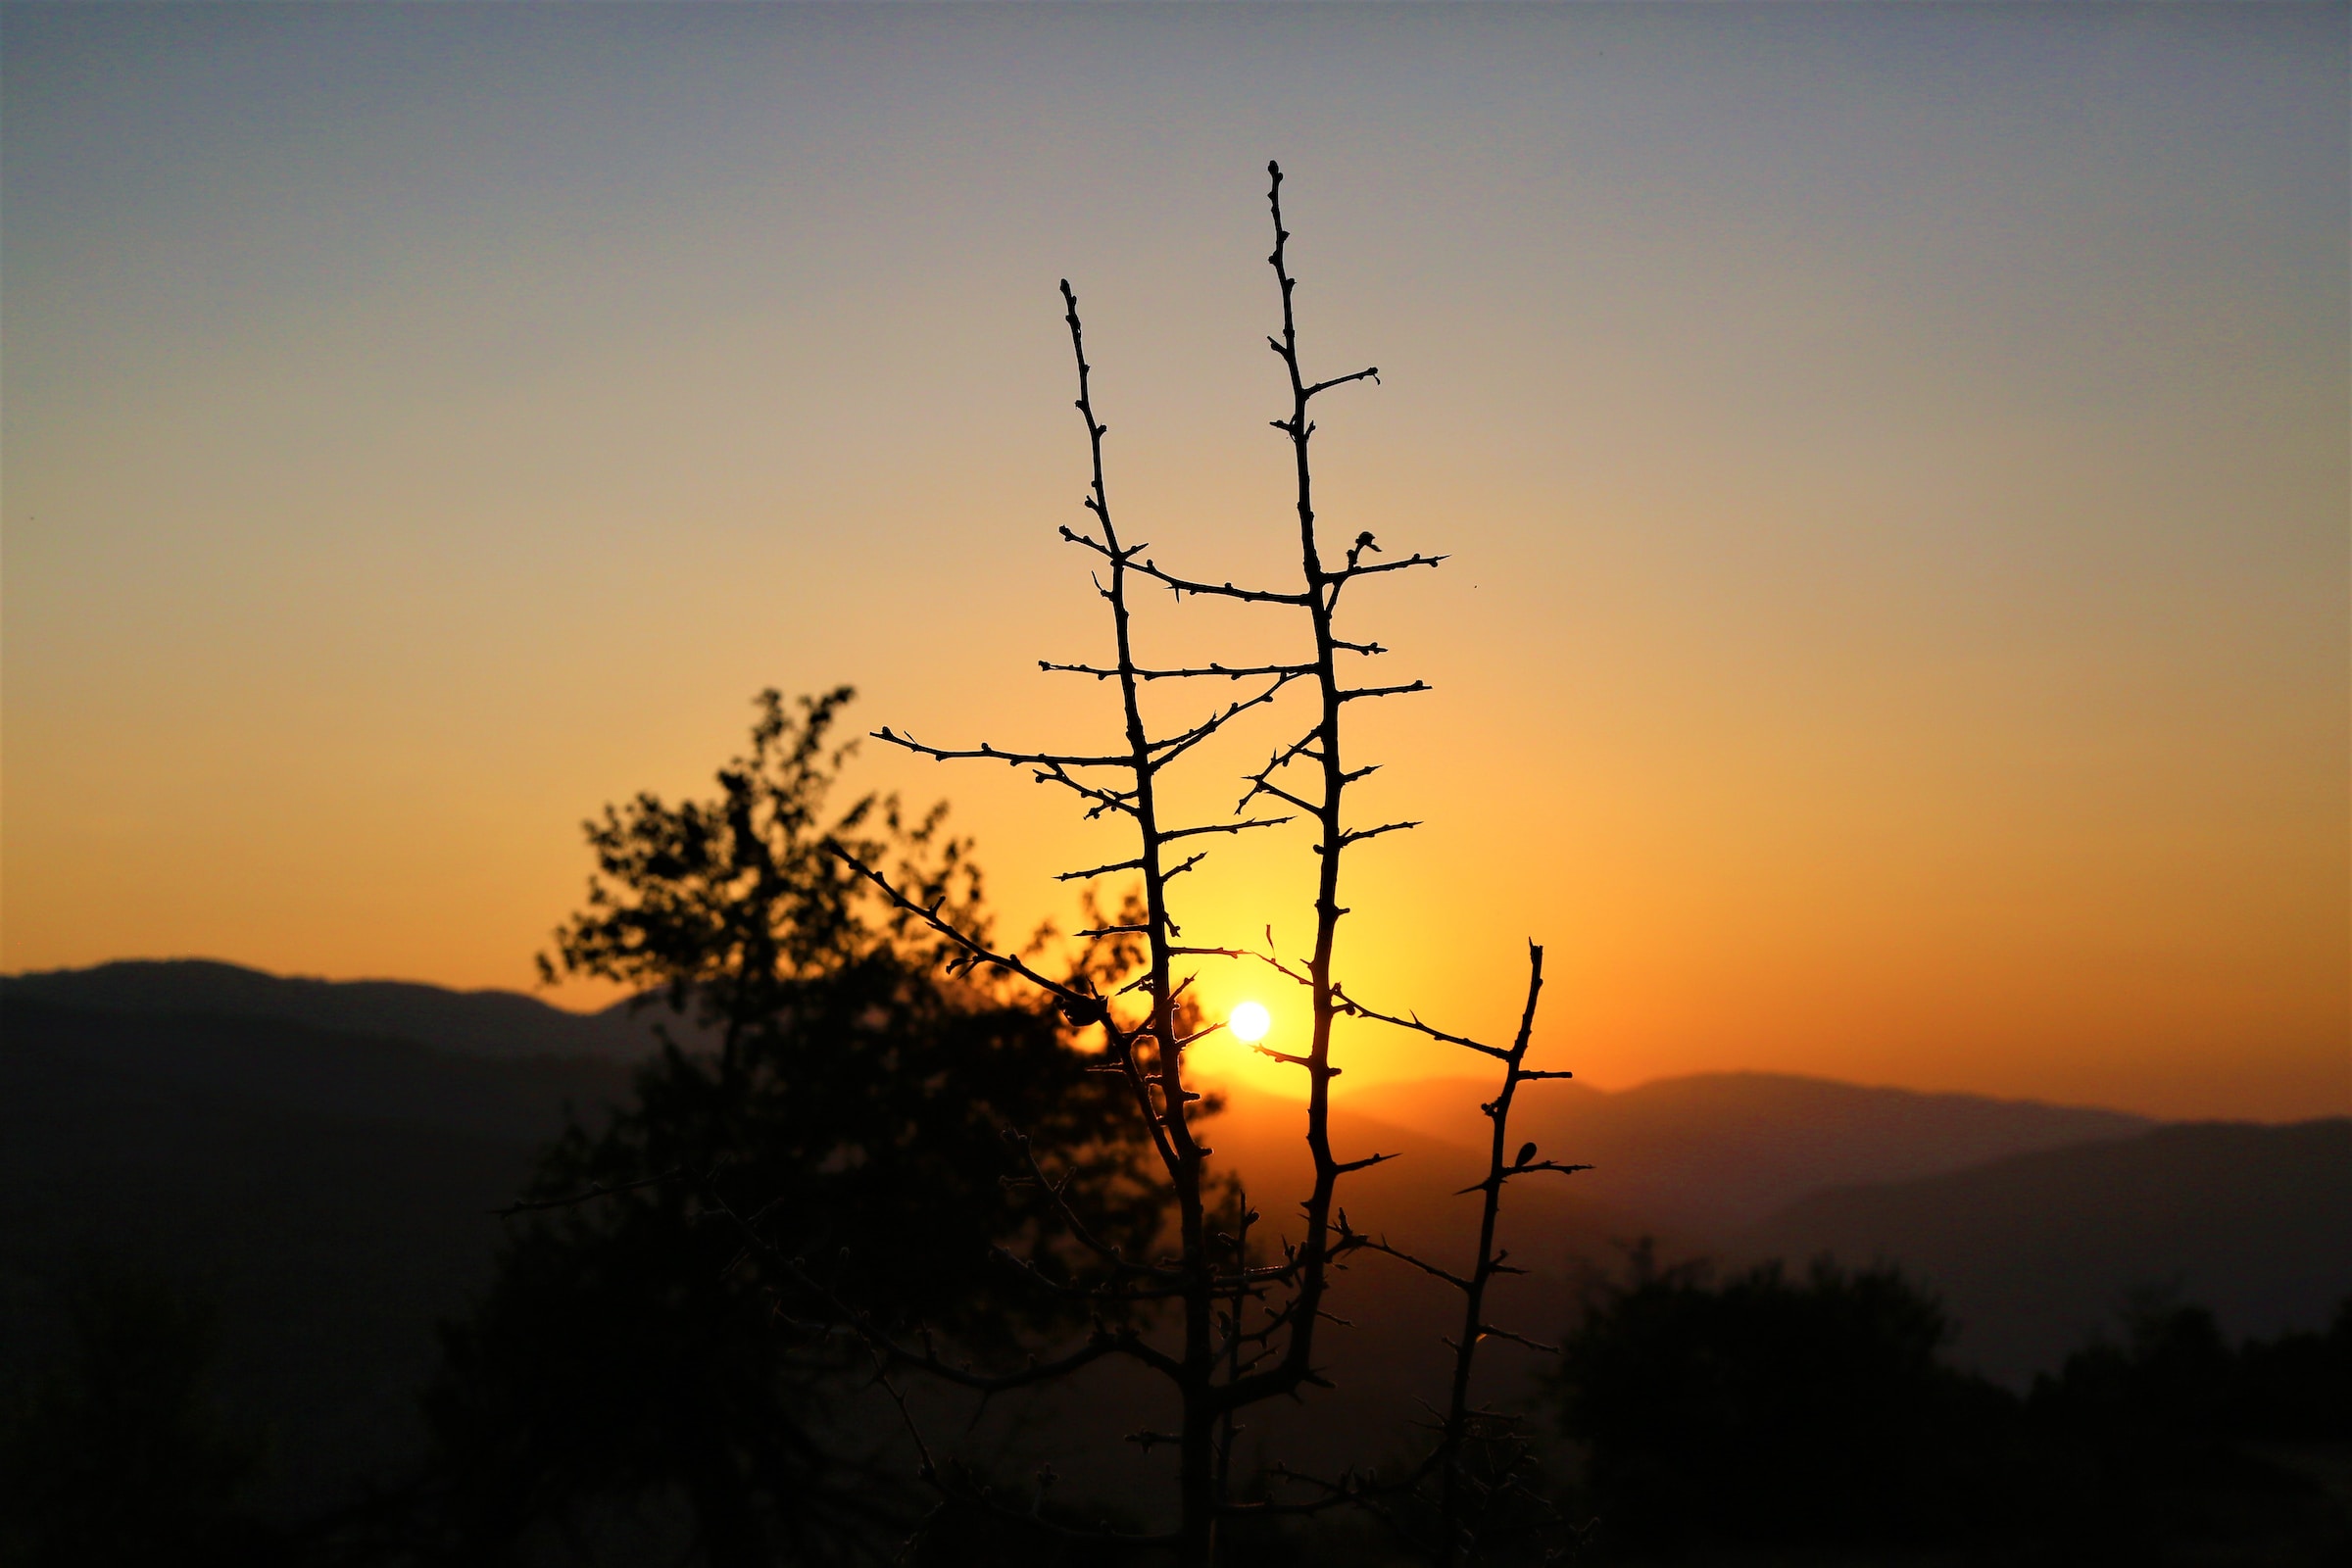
[2139,1445]
[667,1365]
[1769,1409]
[2298,1387]
[1765,1411]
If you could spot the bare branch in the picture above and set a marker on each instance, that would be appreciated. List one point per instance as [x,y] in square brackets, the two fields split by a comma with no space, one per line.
[1497,1178]
[1098,870]
[1425,1267]
[1349,573]
[1357,1009]
[1284,796]
[1177,745]
[1184,865]
[1358,693]
[1077,1004]
[1105,799]
[595,1191]
[1213,669]
[1371,373]
[1487,1331]
[1224,827]
[984,752]
[1180,586]
[1071,1218]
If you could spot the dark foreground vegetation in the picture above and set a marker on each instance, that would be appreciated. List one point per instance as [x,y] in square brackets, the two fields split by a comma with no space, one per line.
[646,1411]
[1769,1412]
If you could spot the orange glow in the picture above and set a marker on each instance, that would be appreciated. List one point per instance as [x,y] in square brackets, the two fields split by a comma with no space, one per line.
[1894,624]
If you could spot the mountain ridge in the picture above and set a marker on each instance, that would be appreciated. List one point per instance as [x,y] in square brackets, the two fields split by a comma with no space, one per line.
[1703,1155]
[492,1021]
[2035,1253]
[488,1022]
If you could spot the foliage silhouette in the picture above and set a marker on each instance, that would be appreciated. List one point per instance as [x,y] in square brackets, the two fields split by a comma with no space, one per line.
[1768,1409]
[1771,1411]
[2172,1367]
[2169,1436]
[664,1329]
[729,908]
[2296,1388]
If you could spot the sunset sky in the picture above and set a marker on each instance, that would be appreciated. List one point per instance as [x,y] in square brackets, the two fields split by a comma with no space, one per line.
[1893,464]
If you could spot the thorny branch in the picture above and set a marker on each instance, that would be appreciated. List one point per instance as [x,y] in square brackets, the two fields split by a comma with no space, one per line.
[1456,1534]
[1225,1361]
[593,1192]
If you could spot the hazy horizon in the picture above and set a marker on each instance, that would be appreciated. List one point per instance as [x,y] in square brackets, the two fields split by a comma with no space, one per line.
[1892,458]
[568,1002]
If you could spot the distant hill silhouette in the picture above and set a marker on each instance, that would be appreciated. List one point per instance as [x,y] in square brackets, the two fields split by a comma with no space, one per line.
[330,1192]
[480,1023]
[2032,1252]
[1698,1157]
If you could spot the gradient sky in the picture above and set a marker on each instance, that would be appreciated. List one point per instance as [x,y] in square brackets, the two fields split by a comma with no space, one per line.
[1894,461]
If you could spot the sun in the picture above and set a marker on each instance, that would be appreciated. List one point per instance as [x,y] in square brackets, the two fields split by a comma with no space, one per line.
[1249,1022]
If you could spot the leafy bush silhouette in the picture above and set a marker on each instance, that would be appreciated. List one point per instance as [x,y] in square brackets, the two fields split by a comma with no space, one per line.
[1770,1409]
[2169,1436]
[663,1336]
[2172,1370]
[2296,1388]
[1773,1412]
